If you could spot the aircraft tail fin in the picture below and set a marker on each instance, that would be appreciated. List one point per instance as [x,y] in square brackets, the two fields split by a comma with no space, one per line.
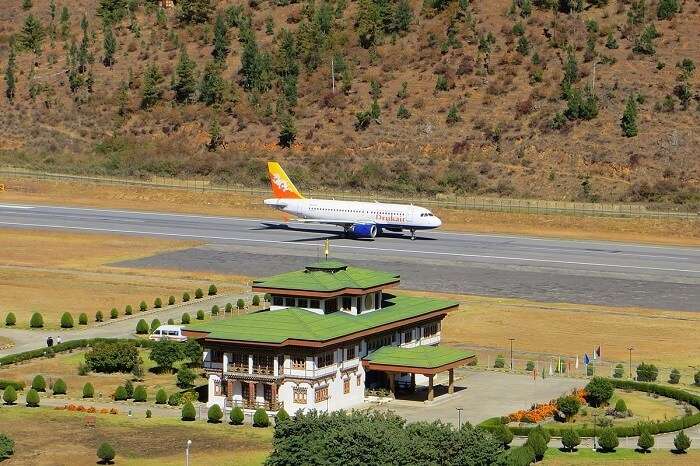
[282,186]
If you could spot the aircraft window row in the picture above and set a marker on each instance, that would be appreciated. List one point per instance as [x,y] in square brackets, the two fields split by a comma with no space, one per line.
[358,211]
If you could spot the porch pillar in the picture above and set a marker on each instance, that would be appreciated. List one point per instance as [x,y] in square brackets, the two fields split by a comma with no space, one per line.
[391,376]
[451,387]
[229,390]
[250,363]
[431,392]
[251,394]
[273,401]
[413,381]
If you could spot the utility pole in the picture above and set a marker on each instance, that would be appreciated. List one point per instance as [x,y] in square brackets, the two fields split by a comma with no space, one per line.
[511,352]
[459,417]
[333,73]
[630,350]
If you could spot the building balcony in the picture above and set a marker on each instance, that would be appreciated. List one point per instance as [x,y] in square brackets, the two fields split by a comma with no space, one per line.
[247,404]
[213,366]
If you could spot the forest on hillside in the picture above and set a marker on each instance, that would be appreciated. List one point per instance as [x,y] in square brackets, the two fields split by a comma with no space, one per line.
[589,100]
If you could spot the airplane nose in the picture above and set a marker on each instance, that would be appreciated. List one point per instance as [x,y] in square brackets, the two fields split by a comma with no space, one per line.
[438,222]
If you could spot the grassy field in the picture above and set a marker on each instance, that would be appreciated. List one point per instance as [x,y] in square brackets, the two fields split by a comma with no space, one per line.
[585,456]
[53,272]
[682,232]
[47,437]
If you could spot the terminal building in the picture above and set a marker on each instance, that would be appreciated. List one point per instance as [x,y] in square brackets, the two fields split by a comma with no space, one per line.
[331,331]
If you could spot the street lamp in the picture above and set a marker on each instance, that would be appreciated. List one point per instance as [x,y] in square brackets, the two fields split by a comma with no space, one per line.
[511,352]
[187,453]
[630,348]
[459,417]
[594,423]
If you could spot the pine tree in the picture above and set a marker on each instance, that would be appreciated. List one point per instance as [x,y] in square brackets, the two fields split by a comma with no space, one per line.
[212,88]
[288,131]
[151,86]
[453,115]
[65,22]
[570,74]
[27,5]
[110,47]
[629,118]
[368,19]
[52,10]
[403,16]
[123,100]
[287,67]
[222,42]
[10,79]
[255,66]
[215,137]
[194,11]
[185,82]
[32,35]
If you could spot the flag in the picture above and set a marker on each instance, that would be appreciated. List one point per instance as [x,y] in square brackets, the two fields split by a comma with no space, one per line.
[586,359]
[559,366]
[577,361]
[597,352]
[595,356]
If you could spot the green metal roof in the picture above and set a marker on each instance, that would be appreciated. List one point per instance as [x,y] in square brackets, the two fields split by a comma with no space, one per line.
[300,324]
[328,276]
[427,357]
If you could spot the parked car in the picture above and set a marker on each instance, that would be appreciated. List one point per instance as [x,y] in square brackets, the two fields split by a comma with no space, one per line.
[168,332]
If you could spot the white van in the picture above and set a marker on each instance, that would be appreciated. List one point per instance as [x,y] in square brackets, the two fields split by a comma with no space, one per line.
[168,332]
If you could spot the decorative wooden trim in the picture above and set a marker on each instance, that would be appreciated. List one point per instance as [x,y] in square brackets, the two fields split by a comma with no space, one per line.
[416,370]
[323,294]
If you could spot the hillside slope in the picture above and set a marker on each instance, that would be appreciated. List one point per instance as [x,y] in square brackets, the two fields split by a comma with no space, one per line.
[500,98]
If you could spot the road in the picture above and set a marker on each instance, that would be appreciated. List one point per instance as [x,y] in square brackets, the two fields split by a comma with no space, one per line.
[591,272]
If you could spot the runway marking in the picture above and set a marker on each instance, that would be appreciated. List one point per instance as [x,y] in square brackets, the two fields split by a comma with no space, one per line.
[341,246]
[9,206]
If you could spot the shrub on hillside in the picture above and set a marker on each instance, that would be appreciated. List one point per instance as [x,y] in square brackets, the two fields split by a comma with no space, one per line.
[120,394]
[188,412]
[142,327]
[140,394]
[185,377]
[228,308]
[98,316]
[171,300]
[67,320]
[192,351]
[32,398]
[161,397]
[128,310]
[537,442]
[503,434]
[598,391]
[260,418]
[155,323]
[10,319]
[38,383]
[105,453]
[143,306]
[530,366]
[198,293]
[619,371]
[237,417]
[500,362]
[608,440]
[171,321]
[215,310]
[37,321]
[88,390]
[59,387]
[185,318]
[185,297]
[200,315]
[696,378]
[256,300]
[570,439]
[240,304]
[113,314]
[281,416]
[7,447]
[158,303]
[113,356]
[214,414]
[647,372]
[674,377]
[645,441]
[681,441]
[9,395]
[212,290]
[129,387]
[82,319]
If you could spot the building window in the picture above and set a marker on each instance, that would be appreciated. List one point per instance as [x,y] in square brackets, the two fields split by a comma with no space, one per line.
[408,336]
[324,360]
[350,352]
[321,394]
[383,340]
[303,302]
[430,330]
[331,305]
[267,393]
[368,301]
[347,303]
[346,386]
[245,391]
[300,395]
[289,302]
[216,355]
[239,361]
[314,304]
[359,380]
[298,362]
[277,301]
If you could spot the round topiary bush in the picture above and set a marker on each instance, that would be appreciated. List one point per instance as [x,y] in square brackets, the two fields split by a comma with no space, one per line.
[157,303]
[105,453]
[128,310]
[32,398]
[185,297]
[82,319]
[140,394]
[500,363]
[113,314]
[59,387]
[598,391]
[530,366]
[149,414]
[67,320]
[681,441]
[10,319]
[171,321]
[212,290]
[143,306]
[38,383]
[537,442]
[215,310]
[161,397]
[570,439]
[645,441]
[647,372]
[188,412]
[619,371]
[214,414]
[608,440]
[260,418]
[37,321]
[237,416]
[120,394]
[88,390]
[256,300]
[504,435]
[229,308]
[9,395]
[674,377]
[621,406]
[142,327]
[520,456]
[198,293]
[185,318]
[155,323]
[267,297]
[98,316]
[200,315]
[171,300]
[569,405]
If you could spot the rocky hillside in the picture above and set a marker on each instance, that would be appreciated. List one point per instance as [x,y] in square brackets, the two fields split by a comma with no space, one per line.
[557,99]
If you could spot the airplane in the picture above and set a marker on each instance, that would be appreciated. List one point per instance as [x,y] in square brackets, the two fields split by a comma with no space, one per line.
[363,220]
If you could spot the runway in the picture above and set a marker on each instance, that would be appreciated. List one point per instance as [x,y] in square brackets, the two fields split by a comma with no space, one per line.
[592,272]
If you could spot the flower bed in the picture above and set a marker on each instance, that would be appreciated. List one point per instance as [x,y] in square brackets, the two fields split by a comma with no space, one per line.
[541,411]
[86,409]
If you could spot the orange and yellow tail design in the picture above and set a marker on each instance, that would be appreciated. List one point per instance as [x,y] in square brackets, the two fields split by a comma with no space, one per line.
[282,186]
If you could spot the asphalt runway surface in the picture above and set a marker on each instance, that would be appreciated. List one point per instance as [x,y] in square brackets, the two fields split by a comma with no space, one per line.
[590,272]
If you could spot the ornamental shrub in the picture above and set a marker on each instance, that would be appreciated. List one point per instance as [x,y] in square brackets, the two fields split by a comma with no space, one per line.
[112,356]
[149,414]
[140,394]
[215,310]
[619,371]
[237,416]
[59,387]
[647,372]
[98,316]
[82,319]
[214,414]
[198,293]
[185,297]
[569,405]
[155,323]
[281,416]
[503,434]
[171,321]
[681,442]
[267,297]
[229,308]
[120,394]
[500,362]
[185,377]
[83,369]
[128,310]
[200,315]
[174,399]
[171,300]
[185,318]
[696,377]
[536,441]
[129,387]
[158,303]
[570,439]
[621,406]
[105,453]
[165,353]
[240,304]
[645,441]
[674,377]
[544,433]
[7,447]
[161,397]
[608,440]
[38,383]
[32,398]
[88,390]
[260,418]
[9,395]
[37,321]
[67,320]
[113,314]
[256,300]
[10,319]
[598,391]
[530,366]
[142,327]
[143,306]
[188,412]
[212,290]
[520,456]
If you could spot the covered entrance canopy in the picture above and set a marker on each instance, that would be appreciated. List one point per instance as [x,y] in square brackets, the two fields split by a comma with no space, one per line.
[425,360]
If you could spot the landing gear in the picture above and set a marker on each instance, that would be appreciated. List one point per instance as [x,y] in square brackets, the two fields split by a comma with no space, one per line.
[413,235]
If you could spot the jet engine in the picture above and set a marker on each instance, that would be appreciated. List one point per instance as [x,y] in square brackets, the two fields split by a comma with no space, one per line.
[363,230]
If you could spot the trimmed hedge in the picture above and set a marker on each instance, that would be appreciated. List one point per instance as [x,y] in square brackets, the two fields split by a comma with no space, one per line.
[11,383]
[82,319]
[67,320]
[37,321]
[59,387]
[10,319]
[658,427]
[67,346]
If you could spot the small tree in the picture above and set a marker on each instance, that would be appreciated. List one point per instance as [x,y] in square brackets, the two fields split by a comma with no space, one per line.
[7,447]
[667,9]
[59,387]
[88,390]
[228,308]
[214,414]
[152,92]
[9,395]
[530,366]
[645,441]
[171,321]
[142,327]
[113,314]
[32,398]
[155,323]
[212,290]
[620,406]
[681,442]
[188,412]
[138,371]
[185,85]
[157,303]
[10,319]
[129,387]
[537,442]
[185,297]
[143,306]
[120,394]
[674,377]
[185,318]
[161,397]
[171,300]
[165,353]
[453,116]
[281,416]
[105,453]
[37,321]
[619,371]
[260,418]
[608,439]
[140,394]
[198,293]
[38,383]
[215,310]
[647,372]
[570,439]
[267,297]
[110,48]
[240,304]
[67,320]
[185,377]
[128,310]
[200,315]
[82,319]
[569,405]
[504,435]
[598,391]
[98,316]
[237,416]
[500,362]
[256,300]
[288,131]
[628,123]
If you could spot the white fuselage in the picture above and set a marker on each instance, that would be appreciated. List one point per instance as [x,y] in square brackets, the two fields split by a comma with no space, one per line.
[388,216]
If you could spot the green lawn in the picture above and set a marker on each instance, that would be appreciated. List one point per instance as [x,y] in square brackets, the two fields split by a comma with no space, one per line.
[621,456]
